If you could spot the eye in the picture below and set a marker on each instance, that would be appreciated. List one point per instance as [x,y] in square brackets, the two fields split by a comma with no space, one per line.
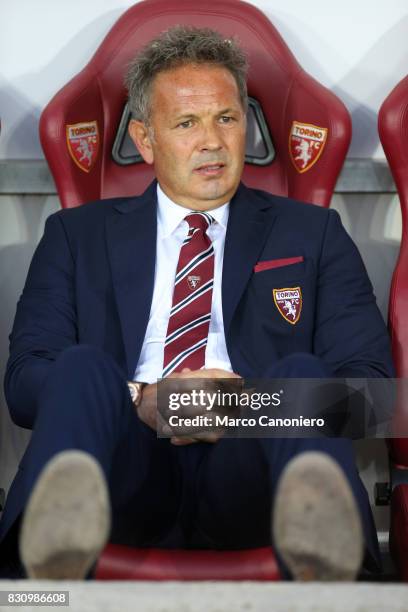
[226,119]
[185,124]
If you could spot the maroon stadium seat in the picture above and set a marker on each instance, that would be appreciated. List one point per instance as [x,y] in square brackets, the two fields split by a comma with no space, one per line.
[393,129]
[299,112]
[299,133]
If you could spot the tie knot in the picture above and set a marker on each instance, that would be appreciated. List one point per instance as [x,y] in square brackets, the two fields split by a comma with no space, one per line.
[199,220]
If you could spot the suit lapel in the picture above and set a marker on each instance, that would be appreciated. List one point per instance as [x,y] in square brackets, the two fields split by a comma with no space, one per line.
[131,239]
[248,228]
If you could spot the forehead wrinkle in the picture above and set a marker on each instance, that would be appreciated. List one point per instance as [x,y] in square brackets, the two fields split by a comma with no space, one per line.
[198,105]
[192,91]
[189,105]
[188,98]
[197,99]
[221,84]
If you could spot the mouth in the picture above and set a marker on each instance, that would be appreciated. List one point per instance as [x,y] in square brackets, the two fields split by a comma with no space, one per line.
[212,169]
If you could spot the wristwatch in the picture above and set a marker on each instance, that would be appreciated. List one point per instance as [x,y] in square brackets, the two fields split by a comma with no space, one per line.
[136,391]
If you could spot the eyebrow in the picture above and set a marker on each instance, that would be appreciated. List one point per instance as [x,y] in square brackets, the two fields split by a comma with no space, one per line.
[228,110]
[184,116]
[193,116]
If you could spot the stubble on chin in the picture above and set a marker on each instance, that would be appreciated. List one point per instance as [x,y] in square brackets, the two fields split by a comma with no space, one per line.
[214,191]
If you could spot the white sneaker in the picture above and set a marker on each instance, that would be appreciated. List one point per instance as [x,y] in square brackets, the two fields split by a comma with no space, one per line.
[316,523]
[67,518]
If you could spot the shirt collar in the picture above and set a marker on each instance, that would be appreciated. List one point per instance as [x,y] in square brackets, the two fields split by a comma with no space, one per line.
[170,214]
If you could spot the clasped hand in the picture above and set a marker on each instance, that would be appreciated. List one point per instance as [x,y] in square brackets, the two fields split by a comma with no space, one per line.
[154,407]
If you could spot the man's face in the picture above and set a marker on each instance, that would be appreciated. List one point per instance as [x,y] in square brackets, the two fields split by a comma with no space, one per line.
[196,136]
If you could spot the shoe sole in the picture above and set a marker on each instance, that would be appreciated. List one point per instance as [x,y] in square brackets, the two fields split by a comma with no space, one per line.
[316,523]
[67,519]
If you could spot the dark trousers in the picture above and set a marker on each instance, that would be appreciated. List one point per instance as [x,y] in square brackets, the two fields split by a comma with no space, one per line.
[197,496]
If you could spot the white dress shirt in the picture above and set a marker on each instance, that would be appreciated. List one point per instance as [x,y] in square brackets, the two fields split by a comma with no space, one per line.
[171,231]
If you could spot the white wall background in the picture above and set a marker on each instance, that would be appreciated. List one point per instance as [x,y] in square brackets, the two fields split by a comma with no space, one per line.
[358,48]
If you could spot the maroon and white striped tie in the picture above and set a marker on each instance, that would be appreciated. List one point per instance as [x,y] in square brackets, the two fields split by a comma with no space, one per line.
[189,321]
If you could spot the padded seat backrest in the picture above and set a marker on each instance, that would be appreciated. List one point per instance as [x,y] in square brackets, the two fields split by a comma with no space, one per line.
[393,130]
[308,125]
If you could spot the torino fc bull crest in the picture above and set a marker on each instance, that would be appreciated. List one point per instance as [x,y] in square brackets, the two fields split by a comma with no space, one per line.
[83,143]
[193,281]
[289,303]
[306,144]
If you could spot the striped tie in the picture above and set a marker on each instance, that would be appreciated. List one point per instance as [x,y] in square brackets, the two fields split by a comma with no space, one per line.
[190,314]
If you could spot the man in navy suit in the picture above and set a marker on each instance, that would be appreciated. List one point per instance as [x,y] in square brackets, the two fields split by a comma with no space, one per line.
[290,299]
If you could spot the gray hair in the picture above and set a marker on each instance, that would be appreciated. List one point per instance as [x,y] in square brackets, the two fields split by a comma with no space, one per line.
[178,46]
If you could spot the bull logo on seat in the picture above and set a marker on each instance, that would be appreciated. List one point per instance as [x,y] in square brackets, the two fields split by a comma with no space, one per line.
[83,143]
[306,144]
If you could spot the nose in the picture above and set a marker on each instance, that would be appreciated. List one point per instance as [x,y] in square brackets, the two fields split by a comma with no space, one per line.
[210,138]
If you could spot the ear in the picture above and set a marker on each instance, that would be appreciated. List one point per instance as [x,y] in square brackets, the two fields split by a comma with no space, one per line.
[140,135]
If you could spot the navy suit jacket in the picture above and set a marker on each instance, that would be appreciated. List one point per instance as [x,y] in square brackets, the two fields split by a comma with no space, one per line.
[91,282]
